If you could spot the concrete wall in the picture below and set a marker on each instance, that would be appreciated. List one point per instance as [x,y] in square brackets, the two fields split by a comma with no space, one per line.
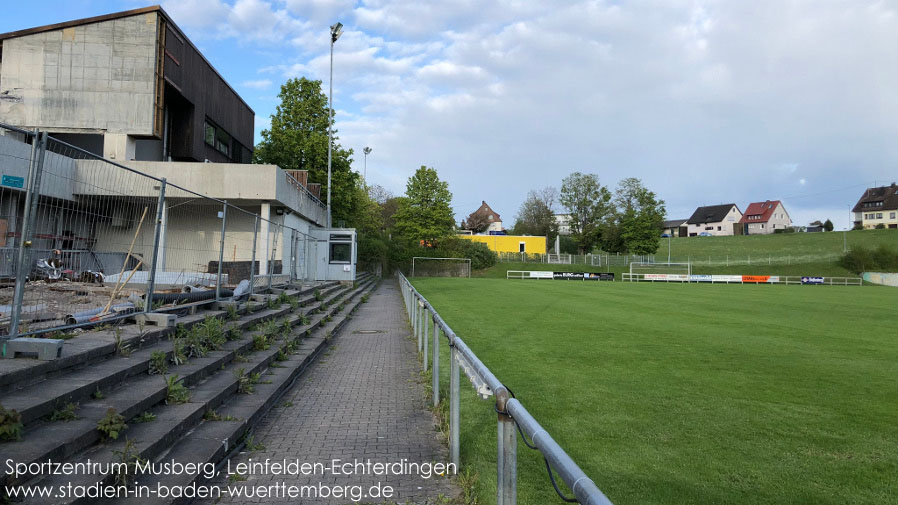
[886,279]
[510,243]
[93,77]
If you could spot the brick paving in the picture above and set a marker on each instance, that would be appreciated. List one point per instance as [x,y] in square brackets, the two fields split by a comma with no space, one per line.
[361,401]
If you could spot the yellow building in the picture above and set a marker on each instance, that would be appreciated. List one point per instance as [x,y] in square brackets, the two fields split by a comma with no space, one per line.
[511,243]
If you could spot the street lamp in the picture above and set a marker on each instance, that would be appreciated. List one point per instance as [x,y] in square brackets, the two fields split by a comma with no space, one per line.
[336,31]
[367,151]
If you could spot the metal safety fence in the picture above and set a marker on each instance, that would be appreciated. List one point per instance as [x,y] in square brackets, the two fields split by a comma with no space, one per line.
[84,240]
[596,260]
[513,417]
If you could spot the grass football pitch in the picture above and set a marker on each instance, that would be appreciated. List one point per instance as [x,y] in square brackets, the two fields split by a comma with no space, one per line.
[704,394]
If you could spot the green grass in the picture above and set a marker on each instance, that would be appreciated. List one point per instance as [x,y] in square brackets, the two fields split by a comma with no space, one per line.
[679,394]
[826,269]
[784,245]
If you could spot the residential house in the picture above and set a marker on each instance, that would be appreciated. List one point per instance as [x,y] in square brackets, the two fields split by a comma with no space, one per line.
[675,228]
[877,206]
[763,218]
[564,223]
[488,215]
[717,220]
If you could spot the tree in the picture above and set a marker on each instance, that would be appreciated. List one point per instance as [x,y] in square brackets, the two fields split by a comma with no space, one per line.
[476,222]
[828,225]
[425,212]
[537,214]
[297,140]
[639,216]
[588,203]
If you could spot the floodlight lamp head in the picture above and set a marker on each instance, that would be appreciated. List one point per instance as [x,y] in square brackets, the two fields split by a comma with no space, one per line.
[368,150]
[336,31]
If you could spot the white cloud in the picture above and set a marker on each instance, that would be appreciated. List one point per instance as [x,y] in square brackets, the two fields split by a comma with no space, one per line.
[706,101]
[259,84]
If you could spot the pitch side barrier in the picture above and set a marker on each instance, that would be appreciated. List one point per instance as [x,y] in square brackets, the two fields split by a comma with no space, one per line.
[745,279]
[512,415]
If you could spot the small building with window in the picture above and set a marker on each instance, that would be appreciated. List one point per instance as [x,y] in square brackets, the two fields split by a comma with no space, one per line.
[128,86]
[764,218]
[877,208]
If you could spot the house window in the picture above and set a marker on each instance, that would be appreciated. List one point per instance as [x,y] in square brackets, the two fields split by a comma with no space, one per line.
[718,228]
[892,215]
[879,215]
[217,138]
[762,226]
[209,131]
[522,246]
[709,227]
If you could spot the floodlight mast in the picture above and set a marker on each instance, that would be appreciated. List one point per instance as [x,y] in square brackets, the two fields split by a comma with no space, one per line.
[367,151]
[336,31]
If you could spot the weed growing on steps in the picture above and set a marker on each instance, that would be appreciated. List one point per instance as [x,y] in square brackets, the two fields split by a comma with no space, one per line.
[64,413]
[10,425]
[233,315]
[112,425]
[120,347]
[145,417]
[158,363]
[176,392]
[129,458]
[212,415]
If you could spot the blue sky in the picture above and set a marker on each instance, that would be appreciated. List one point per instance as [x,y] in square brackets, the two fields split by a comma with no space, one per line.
[706,101]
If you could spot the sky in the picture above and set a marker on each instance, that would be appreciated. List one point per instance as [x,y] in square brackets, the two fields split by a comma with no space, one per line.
[707,102]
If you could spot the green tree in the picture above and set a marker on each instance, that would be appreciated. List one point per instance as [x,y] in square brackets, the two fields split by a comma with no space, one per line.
[828,225]
[588,203]
[297,140]
[537,214]
[639,217]
[425,213]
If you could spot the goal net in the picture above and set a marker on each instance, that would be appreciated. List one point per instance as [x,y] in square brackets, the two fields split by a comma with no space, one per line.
[440,267]
[674,270]
[558,259]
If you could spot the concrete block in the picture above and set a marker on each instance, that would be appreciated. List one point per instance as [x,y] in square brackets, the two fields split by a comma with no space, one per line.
[47,349]
[161,320]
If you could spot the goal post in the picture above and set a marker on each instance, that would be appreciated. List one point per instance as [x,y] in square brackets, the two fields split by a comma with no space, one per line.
[423,266]
[661,268]
[558,259]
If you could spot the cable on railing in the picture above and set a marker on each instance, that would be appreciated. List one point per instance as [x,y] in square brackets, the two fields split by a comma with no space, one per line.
[535,448]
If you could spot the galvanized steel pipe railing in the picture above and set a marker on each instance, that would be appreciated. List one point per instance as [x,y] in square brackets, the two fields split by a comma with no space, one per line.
[512,416]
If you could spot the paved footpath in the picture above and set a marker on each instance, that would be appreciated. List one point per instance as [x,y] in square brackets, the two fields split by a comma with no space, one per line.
[362,400]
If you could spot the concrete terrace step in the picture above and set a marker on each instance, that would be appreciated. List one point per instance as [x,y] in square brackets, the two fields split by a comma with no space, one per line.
[211,442]
[41,398]
[97,345]
[215,438]
[41,439]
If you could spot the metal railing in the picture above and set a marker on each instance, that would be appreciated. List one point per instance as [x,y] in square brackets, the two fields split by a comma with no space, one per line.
[79,233]
[596,260]
[512,415]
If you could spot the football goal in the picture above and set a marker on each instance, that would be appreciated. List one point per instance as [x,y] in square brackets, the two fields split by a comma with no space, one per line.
[660,271]
[440,267]
[558,259]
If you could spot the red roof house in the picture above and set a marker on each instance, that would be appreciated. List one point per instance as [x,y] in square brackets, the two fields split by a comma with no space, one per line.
[765,217]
